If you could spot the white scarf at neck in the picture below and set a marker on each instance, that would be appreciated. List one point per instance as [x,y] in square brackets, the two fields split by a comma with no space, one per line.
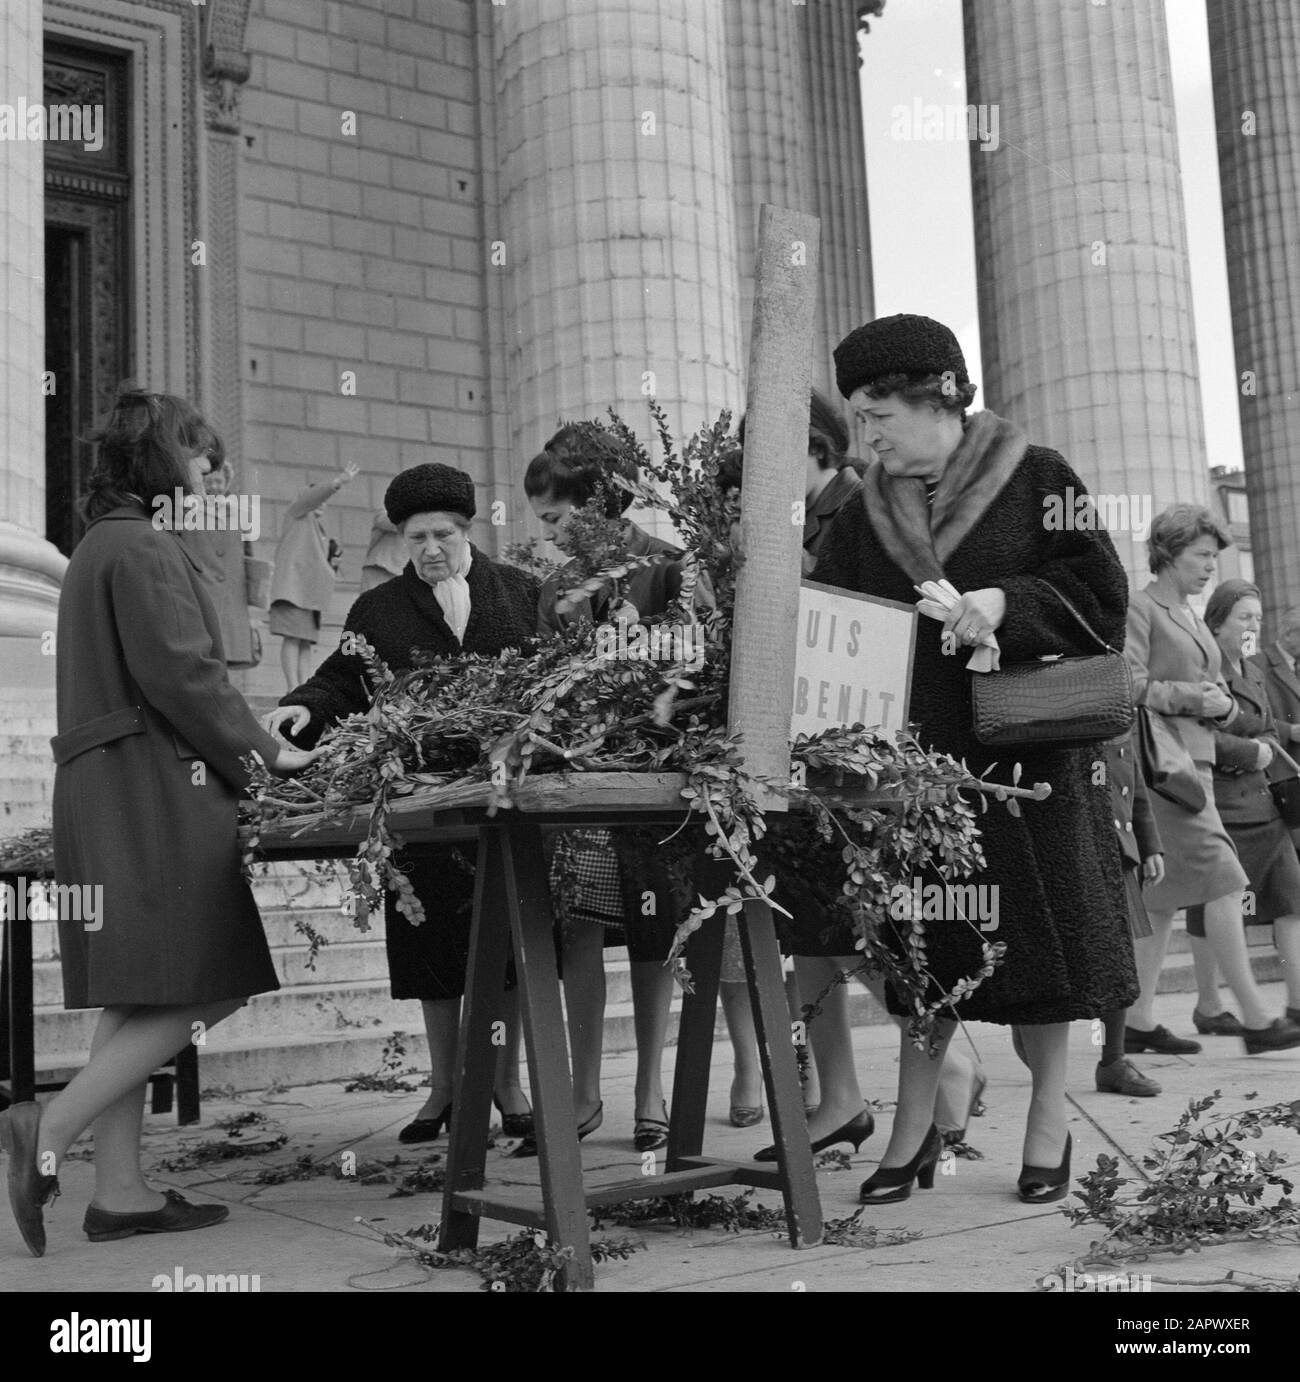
[453,595]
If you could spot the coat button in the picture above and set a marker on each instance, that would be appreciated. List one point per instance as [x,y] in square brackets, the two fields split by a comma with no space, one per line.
[1119,825]
[1128,827]
[1123,791]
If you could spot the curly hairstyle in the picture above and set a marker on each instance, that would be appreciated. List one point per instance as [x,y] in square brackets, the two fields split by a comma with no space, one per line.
[143,451]
[1174,529]
[576,463]
[943,390]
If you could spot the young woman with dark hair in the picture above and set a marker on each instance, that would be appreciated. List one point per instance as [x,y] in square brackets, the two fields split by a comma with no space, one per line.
[152,755]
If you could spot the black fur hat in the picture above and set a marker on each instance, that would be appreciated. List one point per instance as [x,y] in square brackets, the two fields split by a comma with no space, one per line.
[903,344]
[431,488]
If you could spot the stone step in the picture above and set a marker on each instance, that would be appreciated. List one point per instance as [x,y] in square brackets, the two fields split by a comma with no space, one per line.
[316,1032]
[254,1063]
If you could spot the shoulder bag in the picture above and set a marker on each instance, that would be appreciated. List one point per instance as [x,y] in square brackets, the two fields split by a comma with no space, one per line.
[1055,701]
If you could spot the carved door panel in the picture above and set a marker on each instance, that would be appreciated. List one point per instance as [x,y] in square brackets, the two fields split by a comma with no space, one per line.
[87,287]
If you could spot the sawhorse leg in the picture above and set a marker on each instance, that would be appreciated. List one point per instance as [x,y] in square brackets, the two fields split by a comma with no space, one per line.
[511,887]
[476,1059]
[564,1198]
[803,1213]
[695,1042]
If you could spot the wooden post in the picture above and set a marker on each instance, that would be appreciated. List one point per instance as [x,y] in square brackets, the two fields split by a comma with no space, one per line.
[771,510]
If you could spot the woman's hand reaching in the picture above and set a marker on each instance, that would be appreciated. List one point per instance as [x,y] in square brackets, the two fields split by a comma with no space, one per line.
[298,718]
[290,760]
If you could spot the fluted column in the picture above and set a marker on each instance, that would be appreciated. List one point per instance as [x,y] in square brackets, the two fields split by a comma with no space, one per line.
[1084,287]
[30,567]
[833,95]
[1255,65]
[617,239]
[770,154]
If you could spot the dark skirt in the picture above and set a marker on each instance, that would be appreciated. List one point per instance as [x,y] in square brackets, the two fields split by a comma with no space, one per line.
[429,961]
[1269,859]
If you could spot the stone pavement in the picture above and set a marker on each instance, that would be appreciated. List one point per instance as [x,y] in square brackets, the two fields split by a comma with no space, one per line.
[975,1235]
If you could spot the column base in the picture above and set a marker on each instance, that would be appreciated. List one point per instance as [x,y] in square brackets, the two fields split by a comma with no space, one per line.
[31,570]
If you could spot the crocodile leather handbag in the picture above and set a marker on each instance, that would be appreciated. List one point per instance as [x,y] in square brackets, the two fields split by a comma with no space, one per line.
[1055,701]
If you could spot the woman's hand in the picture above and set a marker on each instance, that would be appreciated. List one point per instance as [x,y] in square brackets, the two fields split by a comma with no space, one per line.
[298,716]
[290,760]
[1215,701]
[1153,869]
[1265,754]
[976,615]
[347,474]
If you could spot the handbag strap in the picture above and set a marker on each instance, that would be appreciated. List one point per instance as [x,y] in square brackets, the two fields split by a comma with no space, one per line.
[1097,638]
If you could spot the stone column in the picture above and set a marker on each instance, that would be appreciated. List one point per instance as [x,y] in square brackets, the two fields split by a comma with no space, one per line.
[1084,289]
[833,97]
[1255,64]
[225,67]
[30,567]
[616,240]
[770,153]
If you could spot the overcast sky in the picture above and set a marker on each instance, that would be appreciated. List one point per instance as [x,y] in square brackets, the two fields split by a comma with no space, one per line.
[922,242]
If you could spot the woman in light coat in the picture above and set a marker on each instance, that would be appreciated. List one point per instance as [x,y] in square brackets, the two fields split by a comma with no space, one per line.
[1176,666]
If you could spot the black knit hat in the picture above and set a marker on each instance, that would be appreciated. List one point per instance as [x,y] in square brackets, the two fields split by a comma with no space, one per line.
[431,488]
[903,344]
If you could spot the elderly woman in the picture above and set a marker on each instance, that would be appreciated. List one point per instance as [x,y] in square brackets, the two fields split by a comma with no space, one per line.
[1176,666]
[151,760]
[964,498]
[1244,752]
[450,599]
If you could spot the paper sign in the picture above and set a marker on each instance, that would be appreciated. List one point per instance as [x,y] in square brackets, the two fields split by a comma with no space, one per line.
[853,661]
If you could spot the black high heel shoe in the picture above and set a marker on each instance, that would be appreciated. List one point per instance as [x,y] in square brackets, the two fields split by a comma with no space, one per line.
[895,1182]
[514,1124]
[1044,1184]
[856,1130]
[528,1147]
[425,1129]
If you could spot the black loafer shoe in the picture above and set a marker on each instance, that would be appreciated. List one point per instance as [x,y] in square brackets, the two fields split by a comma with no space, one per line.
[1221,1024]
[178,1215]
[1123,1077]
[1279,1035]
[1158,1039]
[29,1190]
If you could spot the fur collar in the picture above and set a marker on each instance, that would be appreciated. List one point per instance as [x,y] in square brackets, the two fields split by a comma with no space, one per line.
[920,537]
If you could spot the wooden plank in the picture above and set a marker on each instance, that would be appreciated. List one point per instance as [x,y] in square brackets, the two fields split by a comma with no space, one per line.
[780,1074]
[771,525]
[489,955]
[656,1187]
[699,1016]
[529,903]
[741,1172]
[480,1204]
[424,818]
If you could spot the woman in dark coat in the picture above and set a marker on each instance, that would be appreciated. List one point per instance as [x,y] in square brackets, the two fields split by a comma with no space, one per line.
[450,599]
[151,760]
[1246,751]
[966,499]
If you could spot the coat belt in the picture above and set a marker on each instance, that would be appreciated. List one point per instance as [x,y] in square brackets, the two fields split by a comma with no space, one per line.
[117,724]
